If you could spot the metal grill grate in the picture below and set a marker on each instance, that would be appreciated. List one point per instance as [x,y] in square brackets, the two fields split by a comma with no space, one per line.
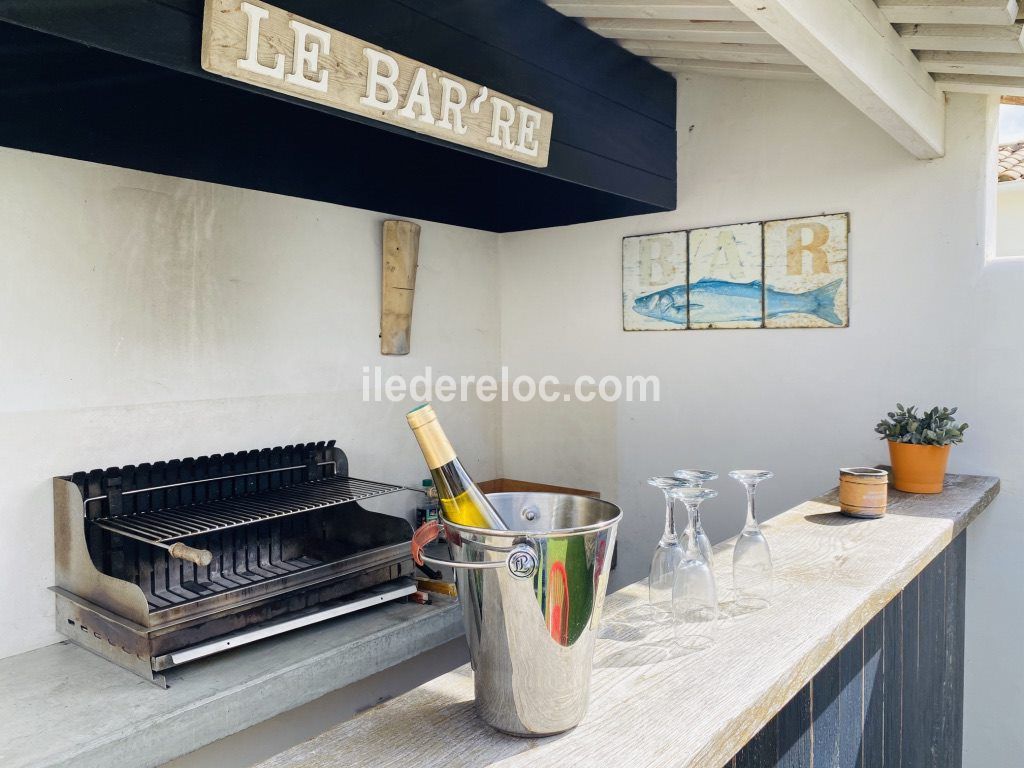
[169,525]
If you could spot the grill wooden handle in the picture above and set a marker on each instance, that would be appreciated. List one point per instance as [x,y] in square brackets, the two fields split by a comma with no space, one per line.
[193,555]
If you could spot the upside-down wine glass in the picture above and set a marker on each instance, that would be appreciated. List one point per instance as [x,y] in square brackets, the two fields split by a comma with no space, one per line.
[694,594]
[668,554]
[752,571]
[697,478]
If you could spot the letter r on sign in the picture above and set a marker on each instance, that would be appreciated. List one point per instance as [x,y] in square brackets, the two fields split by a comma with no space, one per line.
[796,247]
[502,116]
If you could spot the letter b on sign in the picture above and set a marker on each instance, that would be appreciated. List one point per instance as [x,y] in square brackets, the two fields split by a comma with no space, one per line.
[656,267]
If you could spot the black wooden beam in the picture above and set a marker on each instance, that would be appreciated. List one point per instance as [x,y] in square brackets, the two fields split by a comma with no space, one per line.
[613,143]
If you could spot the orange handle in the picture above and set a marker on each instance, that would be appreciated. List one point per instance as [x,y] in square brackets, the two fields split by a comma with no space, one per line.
[425,534]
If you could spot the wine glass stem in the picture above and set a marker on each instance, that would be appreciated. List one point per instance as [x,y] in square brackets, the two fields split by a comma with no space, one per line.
[751,518]
[692,511]
[669,537]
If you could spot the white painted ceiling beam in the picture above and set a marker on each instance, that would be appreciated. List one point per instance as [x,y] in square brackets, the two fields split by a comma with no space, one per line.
[949,11]
[973,63]
[852,47]
[946,37]
[754,54]
[672,10]
[737,69]
[681,31]
[1002,86]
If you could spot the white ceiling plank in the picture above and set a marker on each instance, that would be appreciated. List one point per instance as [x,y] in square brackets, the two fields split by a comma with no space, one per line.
[962,37]
[681,31]
[851,46]
[754,54]
[672,10]
[737,69]
[1003,86]
[949,11]
[973,63]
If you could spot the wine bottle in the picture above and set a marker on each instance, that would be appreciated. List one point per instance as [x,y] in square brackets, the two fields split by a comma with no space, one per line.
[461,500]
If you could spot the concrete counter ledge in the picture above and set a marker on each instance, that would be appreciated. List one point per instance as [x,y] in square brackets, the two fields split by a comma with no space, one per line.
[858,661]
[63,706]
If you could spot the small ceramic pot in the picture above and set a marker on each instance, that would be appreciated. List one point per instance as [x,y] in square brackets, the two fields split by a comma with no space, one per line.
[863,491]
[918,468]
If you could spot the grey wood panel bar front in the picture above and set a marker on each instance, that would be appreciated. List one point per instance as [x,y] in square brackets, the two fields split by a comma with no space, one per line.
[893,697]
[858,662]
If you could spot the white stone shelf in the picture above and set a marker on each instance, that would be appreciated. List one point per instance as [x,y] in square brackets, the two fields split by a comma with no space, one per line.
[63,706]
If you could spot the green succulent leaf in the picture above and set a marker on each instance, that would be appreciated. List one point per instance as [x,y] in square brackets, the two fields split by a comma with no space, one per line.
[932,426]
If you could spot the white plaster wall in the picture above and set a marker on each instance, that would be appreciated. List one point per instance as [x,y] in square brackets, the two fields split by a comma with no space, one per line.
[1010,220]
[144,318]
[149,317]
[930,323]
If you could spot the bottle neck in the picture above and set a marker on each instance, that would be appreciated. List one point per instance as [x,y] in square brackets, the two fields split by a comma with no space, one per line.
[451,480]
[437,450]
[462,501]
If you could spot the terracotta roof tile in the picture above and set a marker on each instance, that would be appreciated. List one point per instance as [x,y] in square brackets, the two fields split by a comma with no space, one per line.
[1011,161]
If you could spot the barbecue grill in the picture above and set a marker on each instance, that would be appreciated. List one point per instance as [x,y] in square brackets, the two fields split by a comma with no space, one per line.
[161,564]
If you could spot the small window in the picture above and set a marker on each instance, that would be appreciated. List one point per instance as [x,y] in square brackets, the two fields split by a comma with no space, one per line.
[1010,180]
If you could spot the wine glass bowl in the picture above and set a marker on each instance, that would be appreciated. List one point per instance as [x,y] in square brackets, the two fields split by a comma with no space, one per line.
[752,569]
[695,605]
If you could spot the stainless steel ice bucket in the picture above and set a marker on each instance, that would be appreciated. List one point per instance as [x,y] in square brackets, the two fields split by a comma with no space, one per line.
[531,603]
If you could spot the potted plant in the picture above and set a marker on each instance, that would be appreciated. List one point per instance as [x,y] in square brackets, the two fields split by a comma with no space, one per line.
[919,446]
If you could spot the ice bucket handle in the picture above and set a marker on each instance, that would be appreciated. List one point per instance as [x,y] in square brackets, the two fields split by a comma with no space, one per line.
[521,559]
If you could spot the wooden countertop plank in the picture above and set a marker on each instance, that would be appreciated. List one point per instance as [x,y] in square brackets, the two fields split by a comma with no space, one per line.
[833,574]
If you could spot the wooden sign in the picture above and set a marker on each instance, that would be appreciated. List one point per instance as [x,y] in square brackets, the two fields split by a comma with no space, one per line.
[786,273]
[400,256]
[259,44]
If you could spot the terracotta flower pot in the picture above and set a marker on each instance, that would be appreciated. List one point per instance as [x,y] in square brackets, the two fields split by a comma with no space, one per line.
[918,468]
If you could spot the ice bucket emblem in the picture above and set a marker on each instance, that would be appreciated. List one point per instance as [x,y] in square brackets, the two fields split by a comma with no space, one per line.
[522,562]
[531,602]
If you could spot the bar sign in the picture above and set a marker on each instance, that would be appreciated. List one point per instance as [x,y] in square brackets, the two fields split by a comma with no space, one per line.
[268,47]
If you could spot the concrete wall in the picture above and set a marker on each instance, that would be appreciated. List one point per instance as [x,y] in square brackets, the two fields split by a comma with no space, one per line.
[1010,220]
[144,318]
[931,322]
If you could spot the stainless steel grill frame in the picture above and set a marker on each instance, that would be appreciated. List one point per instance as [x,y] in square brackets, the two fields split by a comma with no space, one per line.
[283,525]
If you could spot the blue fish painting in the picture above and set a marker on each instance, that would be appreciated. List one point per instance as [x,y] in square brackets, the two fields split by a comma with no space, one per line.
[715,301]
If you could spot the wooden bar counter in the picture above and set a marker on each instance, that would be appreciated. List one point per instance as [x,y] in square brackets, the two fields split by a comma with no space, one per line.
[858,662]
